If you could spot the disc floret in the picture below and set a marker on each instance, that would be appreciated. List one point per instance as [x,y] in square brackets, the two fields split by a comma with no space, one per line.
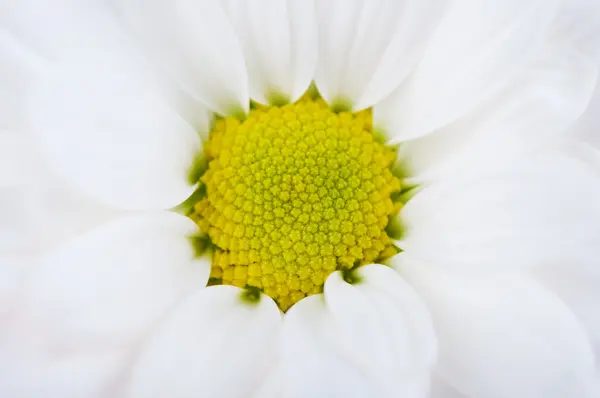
[294,193]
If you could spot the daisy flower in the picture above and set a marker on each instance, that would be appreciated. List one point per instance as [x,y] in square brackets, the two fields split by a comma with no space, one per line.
[294,198]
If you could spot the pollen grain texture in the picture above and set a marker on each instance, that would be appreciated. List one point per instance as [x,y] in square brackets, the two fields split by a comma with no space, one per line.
[294,193]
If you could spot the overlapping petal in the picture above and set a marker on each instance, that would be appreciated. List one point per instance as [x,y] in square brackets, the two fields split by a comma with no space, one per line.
[520,215]
[369,338]
[108,130]
[110,285]
[502,335]
[223,348]
[39,210]
[195,44]
[540,105]
[279,41]
[367,48]
[476,49]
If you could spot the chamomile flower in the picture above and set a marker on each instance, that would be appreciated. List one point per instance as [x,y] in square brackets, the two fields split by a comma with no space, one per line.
[294,198]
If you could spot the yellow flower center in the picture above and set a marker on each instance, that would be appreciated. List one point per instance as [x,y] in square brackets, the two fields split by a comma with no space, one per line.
[294,193]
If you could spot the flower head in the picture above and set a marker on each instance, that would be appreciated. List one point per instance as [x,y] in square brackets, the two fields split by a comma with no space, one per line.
[300,199]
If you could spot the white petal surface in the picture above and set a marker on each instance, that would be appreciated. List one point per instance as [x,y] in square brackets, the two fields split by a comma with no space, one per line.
[213,345]
[32,368]
[17,68]
[373,338]
[13,270]
[579,22]
[110,285]
[113,135]
[476,49]
[62,28]
[576,281]
[537,209]
[367,48]
[196,45]
[441,389]
[501,335]
[588,126]
[543,102]
[39,33]
[38,210]
[576,278]
[279,40]
[272,384]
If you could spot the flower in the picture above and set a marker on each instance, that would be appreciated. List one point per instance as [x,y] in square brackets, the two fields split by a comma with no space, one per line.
[416,223]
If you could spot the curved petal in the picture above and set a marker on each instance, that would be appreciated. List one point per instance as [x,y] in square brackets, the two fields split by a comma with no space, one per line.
[475,51]
[113,135]
[367,48]
[576,277]
[534,210]
[576,281]
[195,43]
[372,338]
[546,99]
[38,210]
[110,285]
[279,40]
[213,345]
[501,335]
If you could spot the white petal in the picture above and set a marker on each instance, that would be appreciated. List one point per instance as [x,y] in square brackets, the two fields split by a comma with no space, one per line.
[579,22]
[213,345]
[279,40]
[542,103]
[13,150]
[522,214]
[476,49]
[273,385]
[576,281]
[588,126]
[71,30]
[62,28]
[367,48]
[13,271]
[111,284]
[441,389]
[32,369]
[17,67]
[38,210]
[196,45]
[576,278]
[373,338]
[501,335]
[113,135]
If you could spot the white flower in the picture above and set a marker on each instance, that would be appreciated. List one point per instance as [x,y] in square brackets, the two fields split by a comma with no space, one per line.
[107,108]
